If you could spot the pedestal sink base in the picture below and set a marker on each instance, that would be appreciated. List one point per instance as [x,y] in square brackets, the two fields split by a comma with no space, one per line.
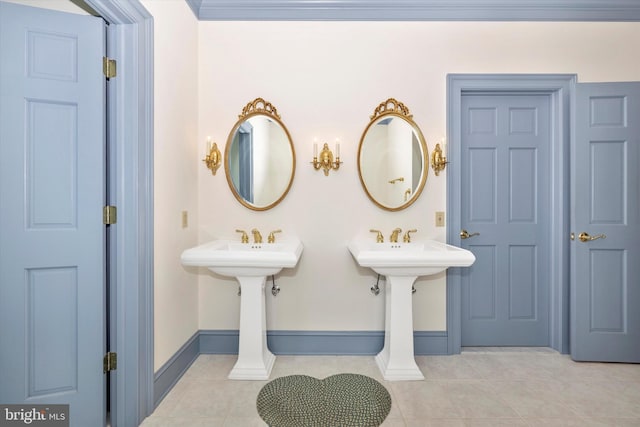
[253,370]
[396,360]
[409,372]
[254,358]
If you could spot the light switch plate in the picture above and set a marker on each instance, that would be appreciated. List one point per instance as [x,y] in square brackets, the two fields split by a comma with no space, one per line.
[439,219]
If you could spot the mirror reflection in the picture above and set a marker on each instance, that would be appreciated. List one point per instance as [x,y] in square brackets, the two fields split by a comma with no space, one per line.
[259,157]
[392,157]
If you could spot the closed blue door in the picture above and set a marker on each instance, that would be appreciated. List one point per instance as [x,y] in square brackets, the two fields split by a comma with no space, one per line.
[605,188]
[505,193]
[52,190]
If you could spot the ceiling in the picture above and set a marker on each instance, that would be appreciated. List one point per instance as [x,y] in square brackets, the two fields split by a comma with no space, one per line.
[416,10]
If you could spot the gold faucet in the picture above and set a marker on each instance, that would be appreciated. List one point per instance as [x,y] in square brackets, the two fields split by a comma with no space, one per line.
[394,235]
[272,238]
[257,237]
[407,236]
[244,238]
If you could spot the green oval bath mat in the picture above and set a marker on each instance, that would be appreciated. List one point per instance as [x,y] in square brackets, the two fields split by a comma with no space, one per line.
[344,400]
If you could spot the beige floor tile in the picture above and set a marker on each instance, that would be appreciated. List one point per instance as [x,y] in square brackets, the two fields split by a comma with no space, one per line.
[244,422]
[446,367]
[315,366]
[393,422]
[619,422]
[581,422]
[495,422]
[473,399]
[156,421]
[424,399]
[210,366]
[443,422]
[606,399]
[480,387]
[532,399]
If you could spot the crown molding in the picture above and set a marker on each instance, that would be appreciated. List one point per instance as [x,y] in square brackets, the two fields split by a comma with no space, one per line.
[416,10]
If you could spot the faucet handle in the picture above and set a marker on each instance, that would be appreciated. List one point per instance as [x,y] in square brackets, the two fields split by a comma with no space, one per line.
[272,238]
[379,237]
[244,238]
[407,236]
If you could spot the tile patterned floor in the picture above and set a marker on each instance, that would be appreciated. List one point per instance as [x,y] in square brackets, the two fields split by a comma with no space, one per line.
[478,388]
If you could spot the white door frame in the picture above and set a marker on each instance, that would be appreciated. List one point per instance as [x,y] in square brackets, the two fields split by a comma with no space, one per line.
[559,87]
[130,145]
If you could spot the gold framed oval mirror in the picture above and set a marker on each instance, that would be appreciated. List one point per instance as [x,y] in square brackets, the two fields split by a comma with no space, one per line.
[259,157]
[392,157]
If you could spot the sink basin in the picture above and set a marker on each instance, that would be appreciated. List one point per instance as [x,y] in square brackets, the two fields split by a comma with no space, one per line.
[250,264]
[421,258]
[402,263]
[233,259]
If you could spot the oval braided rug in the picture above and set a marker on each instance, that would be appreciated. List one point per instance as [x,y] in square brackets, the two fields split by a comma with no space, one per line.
[344,400]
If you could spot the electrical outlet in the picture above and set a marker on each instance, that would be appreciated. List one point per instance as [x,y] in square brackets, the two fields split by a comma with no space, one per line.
[439,219]
[185,219]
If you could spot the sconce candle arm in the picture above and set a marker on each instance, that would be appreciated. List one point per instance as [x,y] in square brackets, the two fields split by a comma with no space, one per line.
[326,162]
[213,157]
[438,160]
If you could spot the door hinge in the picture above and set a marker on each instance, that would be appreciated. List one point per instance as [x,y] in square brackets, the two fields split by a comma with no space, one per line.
[110,362]
[108,67]
[109,215]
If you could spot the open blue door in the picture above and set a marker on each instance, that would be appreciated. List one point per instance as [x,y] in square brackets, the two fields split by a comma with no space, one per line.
[605,254]
[52,191]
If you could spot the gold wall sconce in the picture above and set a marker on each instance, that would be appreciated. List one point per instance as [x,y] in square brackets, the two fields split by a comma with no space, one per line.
[438,159]
[213,158]
[326,162]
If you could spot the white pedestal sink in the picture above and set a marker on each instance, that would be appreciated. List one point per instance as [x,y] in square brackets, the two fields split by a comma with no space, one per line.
[250,264]
[402,263]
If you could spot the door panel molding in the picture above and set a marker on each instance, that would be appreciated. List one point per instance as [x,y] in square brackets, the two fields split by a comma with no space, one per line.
[559,87]
[49,325]
[608,286]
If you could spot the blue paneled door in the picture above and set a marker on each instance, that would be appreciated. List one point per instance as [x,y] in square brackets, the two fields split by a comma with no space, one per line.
[52,190]
[505,193]
[605,188]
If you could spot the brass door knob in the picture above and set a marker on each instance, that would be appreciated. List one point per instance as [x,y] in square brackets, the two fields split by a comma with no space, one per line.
[464,234]
[584,237]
